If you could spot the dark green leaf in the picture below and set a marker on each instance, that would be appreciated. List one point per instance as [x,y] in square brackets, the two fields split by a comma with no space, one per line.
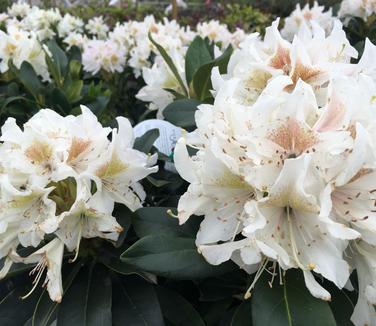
[146,141]
[197,55]
[169,63]
[74,53]
[243,314]
[88,301]
[12,99]
[178,310]
[58,63]
[342,305]
[202,78]
[98,105]
[123,216]
[181,113]
[99,298]
[14,310]
[59,102]
[171,257]
[45,309]
[223,286]
[135,303]
[30,80]
[289,304]
[155,220]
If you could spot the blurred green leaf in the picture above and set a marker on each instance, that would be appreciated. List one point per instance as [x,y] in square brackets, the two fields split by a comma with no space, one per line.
[146,141]
[169,63]
[27,76]
[181,113]
[202,78]
[57,63]
[197,55]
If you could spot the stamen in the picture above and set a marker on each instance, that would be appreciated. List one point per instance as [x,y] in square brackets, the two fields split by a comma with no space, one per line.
[78,241]
[261,269]
[293,243]
[236,231]
[273,274]
[40,268]
[280,275]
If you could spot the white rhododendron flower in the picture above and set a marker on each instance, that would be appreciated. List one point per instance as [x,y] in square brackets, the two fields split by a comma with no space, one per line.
[69,24]
[61,176]
[215,31]
[159,80]
[311,57]
[357,8]
[19,46]
[303,18]
[103,55]
[97,27]
[285,171]
[105,48]
[75,39]
[19,9]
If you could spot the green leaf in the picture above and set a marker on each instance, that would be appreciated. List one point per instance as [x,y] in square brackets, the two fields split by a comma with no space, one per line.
[135,303]
[123,216]
[197,55]
[12,99]
[223,286]
[169,63]
[181,113]
[98,105]
[171,257]
[74,53]
[342,304]
[146,141]
[58,63]
[243,314]
[100,298]
[155,220]
[289,304]
[27,76]
[59,102]
[45,309]
[14,310]
[177,310]
[202,78]
[88,301]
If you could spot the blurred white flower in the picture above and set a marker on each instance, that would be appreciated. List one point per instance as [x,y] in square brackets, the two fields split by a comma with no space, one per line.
[160,81]
[97,27]
[103,55]
[357,8]
[303,18]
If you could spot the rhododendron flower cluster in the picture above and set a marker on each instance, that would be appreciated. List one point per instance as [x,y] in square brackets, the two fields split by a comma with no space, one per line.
[285,169]
[104,49]
[60,177]
[357,8]
[303,18]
